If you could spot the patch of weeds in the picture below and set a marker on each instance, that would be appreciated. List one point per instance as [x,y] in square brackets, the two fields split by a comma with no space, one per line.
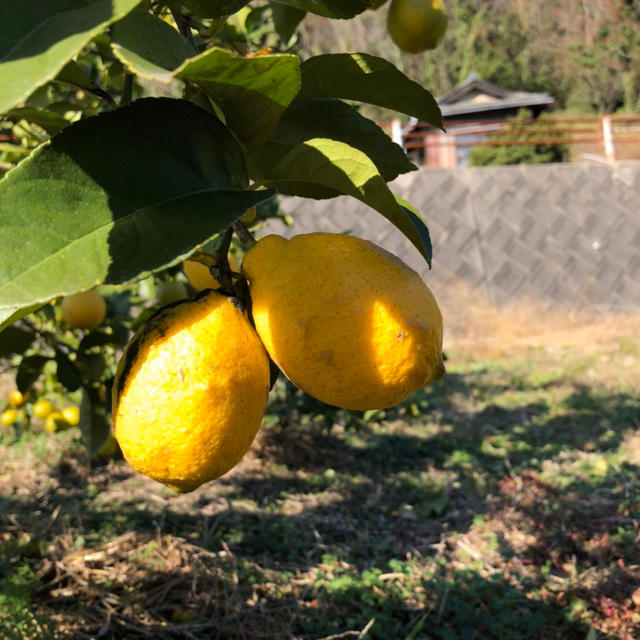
[17,620]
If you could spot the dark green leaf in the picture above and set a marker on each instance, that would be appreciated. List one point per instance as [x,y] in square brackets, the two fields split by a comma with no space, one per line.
[95,422]
[335,120]
[14,340]
[39,38]
[329,8]
[421,229]
[72,73]
[148,46]
[337,167]
[366,78]
[101,339]
[214,8]
[117,196]
[67,372]
[92,367]
[252,92]
[29,371]
[286,20]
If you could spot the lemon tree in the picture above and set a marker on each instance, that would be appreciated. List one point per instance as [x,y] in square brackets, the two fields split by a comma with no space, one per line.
[142,142]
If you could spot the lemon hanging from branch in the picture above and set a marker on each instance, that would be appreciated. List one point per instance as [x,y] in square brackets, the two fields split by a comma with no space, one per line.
[190,392]
[345,320]
[416,25]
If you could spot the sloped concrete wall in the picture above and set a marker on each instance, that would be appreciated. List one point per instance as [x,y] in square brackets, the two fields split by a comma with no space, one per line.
[565,234]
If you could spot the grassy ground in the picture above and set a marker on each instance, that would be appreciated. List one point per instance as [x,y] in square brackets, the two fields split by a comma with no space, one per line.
[501,502]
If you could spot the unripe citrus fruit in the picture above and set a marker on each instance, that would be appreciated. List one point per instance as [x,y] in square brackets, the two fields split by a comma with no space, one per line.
[249,216]
[416,25]
[85,310]
[108,447]
[17,398]
[71,416]
[199,275]
[8,417]
[345,320]
[56,422]
[170,291]
[190,392]
[43,408]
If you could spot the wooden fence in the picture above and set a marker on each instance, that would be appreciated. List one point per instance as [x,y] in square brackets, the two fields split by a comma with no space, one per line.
[605,138]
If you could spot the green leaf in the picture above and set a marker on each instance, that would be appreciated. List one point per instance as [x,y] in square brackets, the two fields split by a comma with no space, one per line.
[67,372]
[329,8]
[95,422]
[214,8]
[335,120]
[342,169]
[29,371]
[39,38]
[9,315]
[252,92]
[14,340]
[366,78]
[148,46]
[286,20]
[72,73]
[117,196]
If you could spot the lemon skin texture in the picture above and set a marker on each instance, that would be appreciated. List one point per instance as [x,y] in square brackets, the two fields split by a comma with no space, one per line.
[190,392]
[85,310]
[200,277]
[345,320]
[416,25]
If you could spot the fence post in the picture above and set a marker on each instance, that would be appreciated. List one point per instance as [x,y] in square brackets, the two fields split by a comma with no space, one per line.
[607,134]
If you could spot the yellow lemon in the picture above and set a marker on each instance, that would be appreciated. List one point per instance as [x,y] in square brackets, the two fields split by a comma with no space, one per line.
[17,398]
[199,275]
[85,310]
[416,25]
[43,408]
[8,417]
[190,392]
[345,320]
[71,416]
[55,422]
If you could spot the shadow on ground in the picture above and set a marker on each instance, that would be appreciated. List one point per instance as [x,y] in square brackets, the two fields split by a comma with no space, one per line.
[485,507]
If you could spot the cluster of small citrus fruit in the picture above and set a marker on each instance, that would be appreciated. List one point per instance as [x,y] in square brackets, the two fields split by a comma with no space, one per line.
[416,25]
[343,319]
[56,419]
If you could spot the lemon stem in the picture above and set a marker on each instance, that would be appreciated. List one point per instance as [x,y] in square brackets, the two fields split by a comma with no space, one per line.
[244,235]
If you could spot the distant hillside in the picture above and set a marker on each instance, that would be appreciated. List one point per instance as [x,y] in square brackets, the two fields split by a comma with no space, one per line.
[585,53]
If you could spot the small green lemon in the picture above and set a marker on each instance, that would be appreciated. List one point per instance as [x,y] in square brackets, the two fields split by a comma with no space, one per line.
[170,291]
[84,310]
[416,25]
